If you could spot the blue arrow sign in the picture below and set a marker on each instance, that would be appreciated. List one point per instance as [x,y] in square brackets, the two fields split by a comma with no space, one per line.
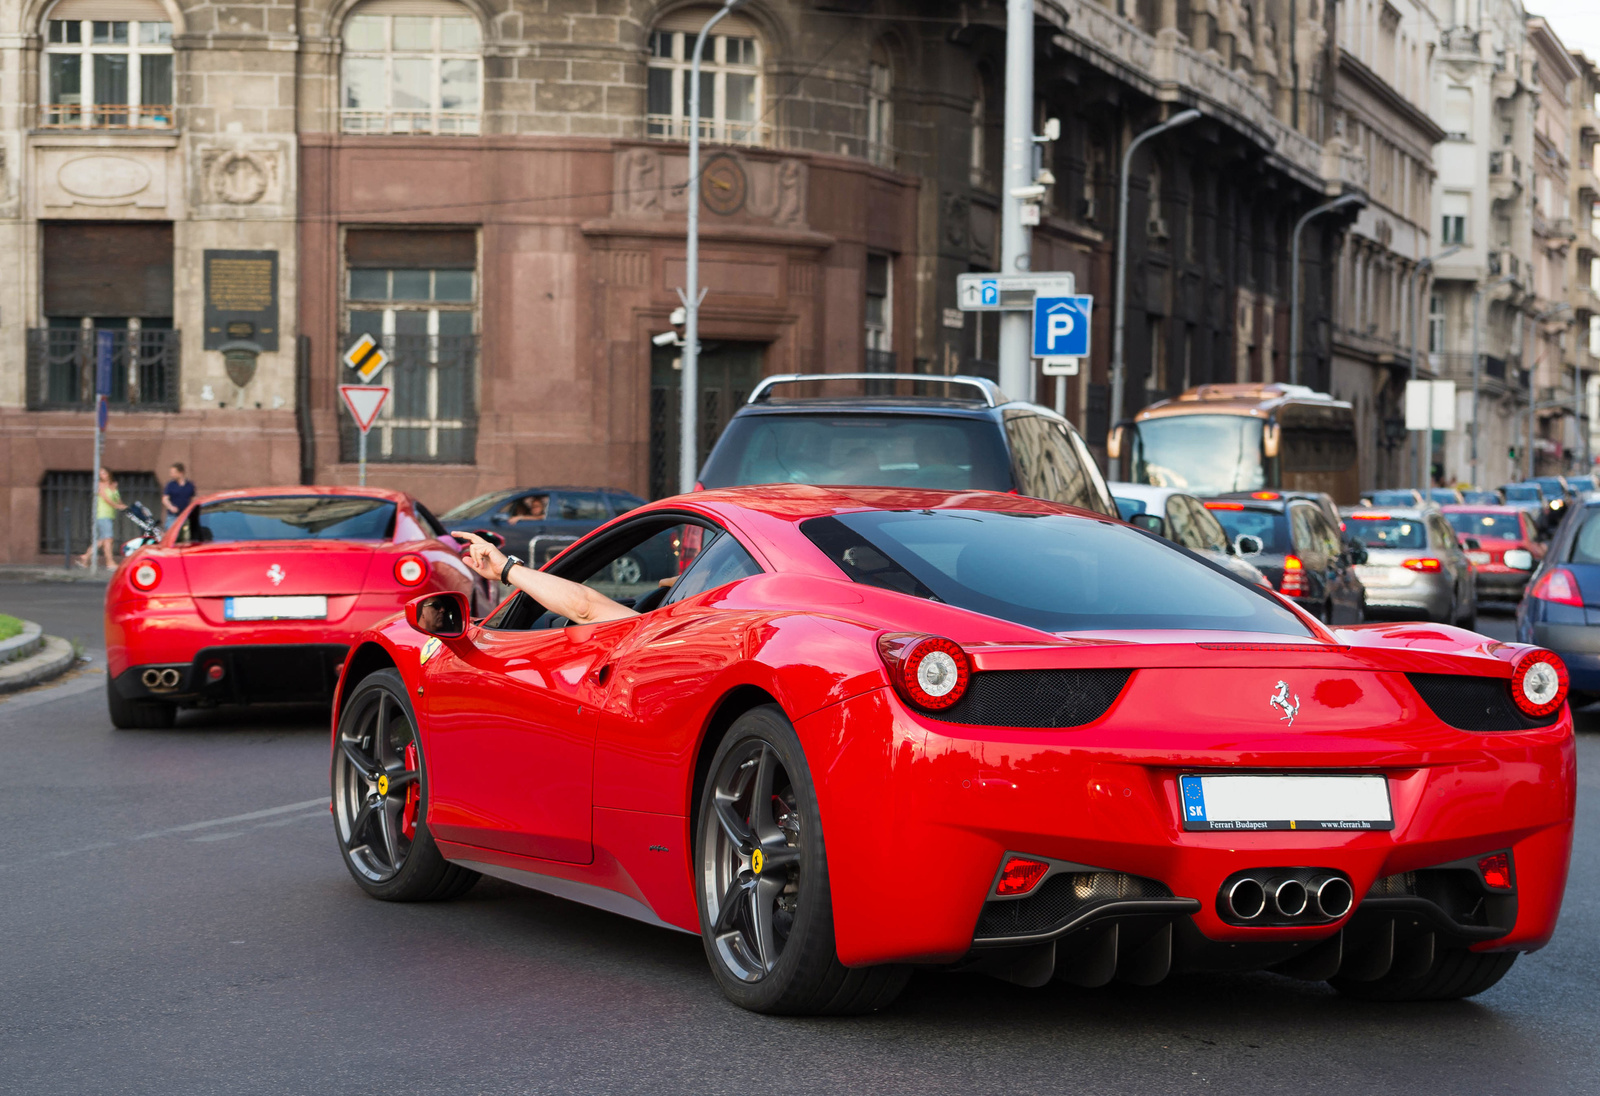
[1061,326]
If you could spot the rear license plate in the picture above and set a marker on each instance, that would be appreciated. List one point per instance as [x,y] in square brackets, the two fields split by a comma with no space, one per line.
[1285,803]
[1479,557]
[275,608]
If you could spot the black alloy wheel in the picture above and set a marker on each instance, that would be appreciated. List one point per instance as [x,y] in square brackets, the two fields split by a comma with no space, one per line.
[766,912]
[380,798]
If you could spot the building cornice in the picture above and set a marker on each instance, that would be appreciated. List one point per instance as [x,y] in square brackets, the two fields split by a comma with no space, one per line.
[1375,85]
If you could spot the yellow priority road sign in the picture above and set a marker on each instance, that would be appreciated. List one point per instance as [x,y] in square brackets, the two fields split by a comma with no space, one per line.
[366,357]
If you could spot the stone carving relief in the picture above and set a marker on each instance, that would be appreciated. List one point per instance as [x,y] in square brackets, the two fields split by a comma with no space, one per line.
[637,184]
[240,176]
[791,193]
[956,218]
[78,177]
[649,184]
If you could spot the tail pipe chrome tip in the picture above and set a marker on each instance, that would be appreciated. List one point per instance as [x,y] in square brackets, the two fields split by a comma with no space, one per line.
[1334,897]
[160,679]
[1289,897]
[1246,899]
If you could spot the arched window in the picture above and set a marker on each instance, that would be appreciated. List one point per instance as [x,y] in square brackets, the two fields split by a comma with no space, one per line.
[731,96]
[107,65]
[880,110]
[412,66]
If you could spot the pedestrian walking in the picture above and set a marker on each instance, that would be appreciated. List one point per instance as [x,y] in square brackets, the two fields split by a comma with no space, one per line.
[176,495]
[108,500]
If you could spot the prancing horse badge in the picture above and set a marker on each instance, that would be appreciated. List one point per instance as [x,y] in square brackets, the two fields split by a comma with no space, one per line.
[1280,700]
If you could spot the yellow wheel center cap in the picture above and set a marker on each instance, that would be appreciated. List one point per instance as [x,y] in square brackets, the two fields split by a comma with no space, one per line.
[383,784]
[757,860]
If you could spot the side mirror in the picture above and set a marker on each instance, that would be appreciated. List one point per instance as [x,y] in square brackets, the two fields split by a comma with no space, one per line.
[1247,545]
[443,615]
[1519,559]
[1358,550]
[1150,523]
[1471,544]
[1114,443]
[1271,437]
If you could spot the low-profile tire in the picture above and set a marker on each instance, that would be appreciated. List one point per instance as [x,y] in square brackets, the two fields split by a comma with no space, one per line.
[138,715]
[767,921]
[1455,973]
[380,798]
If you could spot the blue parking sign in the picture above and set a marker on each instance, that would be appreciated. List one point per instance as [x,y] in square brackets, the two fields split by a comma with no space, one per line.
[1061,326]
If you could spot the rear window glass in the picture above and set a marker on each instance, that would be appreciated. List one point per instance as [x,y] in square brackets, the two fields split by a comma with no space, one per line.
[1271,527]
[862,450]
[1522,494]
[1586,545]
[1389,532]
[1394,498]
[1488,498]
[292,517]
[1498,526]
[1047,571]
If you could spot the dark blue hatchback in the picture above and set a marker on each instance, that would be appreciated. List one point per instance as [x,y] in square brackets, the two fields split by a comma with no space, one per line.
[1561,610]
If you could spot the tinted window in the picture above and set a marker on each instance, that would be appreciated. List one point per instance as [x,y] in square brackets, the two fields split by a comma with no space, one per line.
[865,450]
[1044,464]
[1180,524]
[1487,498]
[1389,532]
[1272,528]
[1048,571]
[475,507]
[1393,498]
[581,508]
[434,526]
[1586,545]
[621,504]
[1443,496]
[1495,526]
[1126,508]
[1522,493]
[723,561]
[292,517]
[1207,529]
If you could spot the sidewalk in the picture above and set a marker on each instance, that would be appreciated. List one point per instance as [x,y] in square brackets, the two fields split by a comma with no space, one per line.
[31,657]
[19,572]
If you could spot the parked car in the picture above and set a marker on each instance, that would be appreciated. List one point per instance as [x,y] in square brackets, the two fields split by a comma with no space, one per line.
[847,675]
[255,595]
[1562,605]
[1415,566]
[1508,547]
[974,439]
[1300,552]
[538,522]
[1183,519]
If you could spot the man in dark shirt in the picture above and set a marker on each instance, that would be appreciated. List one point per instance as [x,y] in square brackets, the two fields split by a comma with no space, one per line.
[176,495]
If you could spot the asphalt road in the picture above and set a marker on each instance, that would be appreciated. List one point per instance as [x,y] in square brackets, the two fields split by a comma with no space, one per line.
[174,919]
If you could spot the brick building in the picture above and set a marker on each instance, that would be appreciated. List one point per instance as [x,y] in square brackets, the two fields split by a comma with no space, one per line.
[223,198]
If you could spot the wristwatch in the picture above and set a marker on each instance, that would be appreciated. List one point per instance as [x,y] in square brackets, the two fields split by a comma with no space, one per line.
[511,561]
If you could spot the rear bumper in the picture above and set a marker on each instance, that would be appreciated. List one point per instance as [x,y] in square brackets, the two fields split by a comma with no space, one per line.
[277,673]
[1501,585]
[1427,595]
[1106,796]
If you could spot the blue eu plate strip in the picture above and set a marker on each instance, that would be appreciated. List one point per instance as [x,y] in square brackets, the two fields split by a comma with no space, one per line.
[1194,799]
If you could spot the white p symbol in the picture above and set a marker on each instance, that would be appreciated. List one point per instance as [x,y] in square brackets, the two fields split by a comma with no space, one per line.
[1057,326]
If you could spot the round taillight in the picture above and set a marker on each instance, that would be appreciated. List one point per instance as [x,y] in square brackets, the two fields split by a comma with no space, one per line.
[146,573]
[410,570]
[1538,683]
[930,671]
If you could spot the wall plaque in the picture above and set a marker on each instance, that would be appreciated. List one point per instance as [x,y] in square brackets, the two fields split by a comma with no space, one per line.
[241,298]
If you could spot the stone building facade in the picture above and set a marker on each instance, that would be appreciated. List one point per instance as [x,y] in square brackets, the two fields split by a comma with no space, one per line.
[1583,277]
[225,199]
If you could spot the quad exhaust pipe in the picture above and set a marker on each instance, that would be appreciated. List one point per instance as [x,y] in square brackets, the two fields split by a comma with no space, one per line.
[160,679]
[1328,897]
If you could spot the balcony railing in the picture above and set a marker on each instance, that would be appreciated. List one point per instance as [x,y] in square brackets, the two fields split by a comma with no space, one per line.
[106,116]
[675,127]
[447,123]
[62,363]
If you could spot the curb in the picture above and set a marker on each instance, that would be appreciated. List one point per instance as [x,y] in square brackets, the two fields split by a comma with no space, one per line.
[23,644]
[25,573]
[55,659]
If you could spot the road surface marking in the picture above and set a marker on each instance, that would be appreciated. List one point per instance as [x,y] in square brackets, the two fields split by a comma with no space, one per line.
[191,827]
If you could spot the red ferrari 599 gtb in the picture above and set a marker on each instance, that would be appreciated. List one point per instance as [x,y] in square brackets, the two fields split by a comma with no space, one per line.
[869,729]
[256,595]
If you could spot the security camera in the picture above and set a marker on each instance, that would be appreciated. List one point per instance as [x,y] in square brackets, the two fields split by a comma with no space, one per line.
[679,317]
[666,338]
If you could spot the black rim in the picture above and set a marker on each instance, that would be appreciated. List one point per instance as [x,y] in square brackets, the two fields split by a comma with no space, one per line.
[751,861]
[375,787]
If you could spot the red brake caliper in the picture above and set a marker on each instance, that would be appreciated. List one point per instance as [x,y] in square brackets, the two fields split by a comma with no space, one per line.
[408,817]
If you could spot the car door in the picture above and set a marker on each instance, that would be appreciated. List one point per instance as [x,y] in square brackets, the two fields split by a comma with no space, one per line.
[1313,559]
[1345,589]
[1450,548]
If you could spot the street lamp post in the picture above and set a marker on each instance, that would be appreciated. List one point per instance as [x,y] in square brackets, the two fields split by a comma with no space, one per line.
[1182,118]
[1411,295]
[692,294]
[1016,239]
[1477,366]
[1294,276]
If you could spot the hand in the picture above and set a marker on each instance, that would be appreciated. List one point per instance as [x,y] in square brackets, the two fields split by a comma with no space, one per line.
[484,558]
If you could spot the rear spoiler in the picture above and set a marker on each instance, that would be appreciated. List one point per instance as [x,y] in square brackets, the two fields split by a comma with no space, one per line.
[990,392]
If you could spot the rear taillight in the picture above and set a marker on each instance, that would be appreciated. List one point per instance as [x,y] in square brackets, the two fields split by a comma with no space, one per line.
[146,573]
[1020,875]
[1559,586]
[929,671]
[1538,682]
[410,569]
[1496,871]
[1293,583]
[1428,566]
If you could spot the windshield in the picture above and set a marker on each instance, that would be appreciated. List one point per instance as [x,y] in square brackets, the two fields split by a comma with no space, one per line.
[1047,571]
[1387,532]
[1203,454]
[1496,526]
[937,451]
[1394,498]
[474,507]
[1443,496]
[1553,488]
[1272,527]
[1488,498]
[292,517]
[1522,493]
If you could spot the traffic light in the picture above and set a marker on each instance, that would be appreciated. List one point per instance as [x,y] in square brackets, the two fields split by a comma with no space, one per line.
[1512,452]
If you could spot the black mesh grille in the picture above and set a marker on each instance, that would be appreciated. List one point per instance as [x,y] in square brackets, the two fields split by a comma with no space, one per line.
[1475,703]
[1061,898]
[1037,698]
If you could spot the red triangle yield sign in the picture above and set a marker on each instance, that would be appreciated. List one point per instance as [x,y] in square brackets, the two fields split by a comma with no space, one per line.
[364,402]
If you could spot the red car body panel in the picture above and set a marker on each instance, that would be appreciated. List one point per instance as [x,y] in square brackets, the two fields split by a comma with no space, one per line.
[568,759]
[184,613]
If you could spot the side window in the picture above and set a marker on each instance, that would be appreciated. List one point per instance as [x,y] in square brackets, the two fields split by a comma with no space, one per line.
[723,561]
[434,525]
[1046,466]
[1208,531]
[630,572]
[621,504]
[527,508]
[576,507]
[1097,483]
[1327,536]
[1305,541]
[1180,524]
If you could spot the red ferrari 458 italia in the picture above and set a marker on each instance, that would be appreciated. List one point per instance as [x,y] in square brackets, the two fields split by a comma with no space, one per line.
[256,595]
[868,729]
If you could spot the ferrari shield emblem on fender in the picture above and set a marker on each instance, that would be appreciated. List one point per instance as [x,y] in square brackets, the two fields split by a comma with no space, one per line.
[383,783]
[431,648]
[276,574]
[1280,700]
